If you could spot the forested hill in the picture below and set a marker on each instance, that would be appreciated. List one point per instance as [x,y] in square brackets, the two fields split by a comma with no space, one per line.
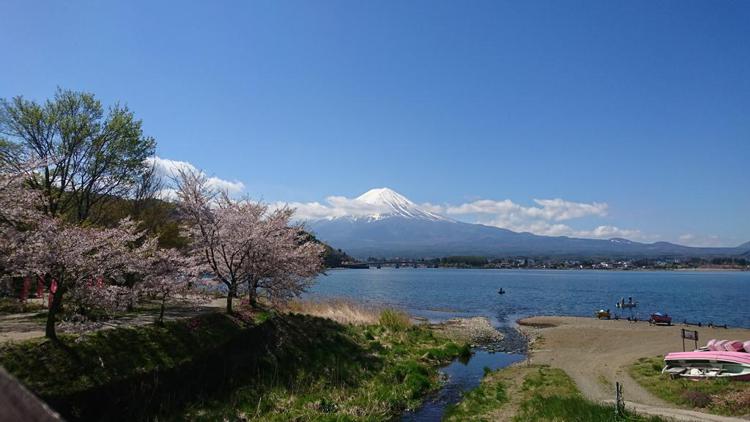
[161,218]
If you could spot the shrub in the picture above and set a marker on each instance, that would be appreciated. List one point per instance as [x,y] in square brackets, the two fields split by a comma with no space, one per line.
[394,320]
[15,306]
[696,398]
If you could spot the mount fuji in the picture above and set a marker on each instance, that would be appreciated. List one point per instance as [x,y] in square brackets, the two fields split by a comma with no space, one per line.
[386,203]
[386,224]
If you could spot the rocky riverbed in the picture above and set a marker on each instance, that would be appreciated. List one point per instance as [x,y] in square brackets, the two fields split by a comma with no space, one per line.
[477,331]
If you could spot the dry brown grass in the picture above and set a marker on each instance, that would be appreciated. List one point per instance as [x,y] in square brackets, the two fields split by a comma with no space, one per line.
[339,310]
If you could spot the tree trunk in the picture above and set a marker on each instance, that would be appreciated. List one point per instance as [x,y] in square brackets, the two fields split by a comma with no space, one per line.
[49,330]
[160,321]
[252,293]
[230,295]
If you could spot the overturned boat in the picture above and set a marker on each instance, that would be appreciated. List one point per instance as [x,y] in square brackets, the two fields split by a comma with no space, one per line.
[708,364]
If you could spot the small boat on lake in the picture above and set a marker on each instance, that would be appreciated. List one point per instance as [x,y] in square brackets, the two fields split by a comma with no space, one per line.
[630,304]
[708,364]
[501,291]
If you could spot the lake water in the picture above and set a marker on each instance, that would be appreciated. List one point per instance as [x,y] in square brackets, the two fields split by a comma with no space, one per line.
[718,297]
[461,376]
[438,294]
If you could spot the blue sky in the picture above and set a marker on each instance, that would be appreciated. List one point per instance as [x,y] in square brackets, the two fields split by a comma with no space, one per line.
[641,105]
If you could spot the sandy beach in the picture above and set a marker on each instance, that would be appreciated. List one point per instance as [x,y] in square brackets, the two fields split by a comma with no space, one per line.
[596,354]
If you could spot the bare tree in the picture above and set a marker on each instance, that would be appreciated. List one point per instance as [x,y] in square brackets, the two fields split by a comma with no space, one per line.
[147,188]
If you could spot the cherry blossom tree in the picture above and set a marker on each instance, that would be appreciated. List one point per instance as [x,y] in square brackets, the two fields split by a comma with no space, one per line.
[18,204]
[242,243]
[284,264]
[91,265]
[18,213]
[222,232]
[165,278]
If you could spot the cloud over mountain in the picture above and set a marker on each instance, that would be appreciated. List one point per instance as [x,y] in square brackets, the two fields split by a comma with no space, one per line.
[544,218]
[168,169]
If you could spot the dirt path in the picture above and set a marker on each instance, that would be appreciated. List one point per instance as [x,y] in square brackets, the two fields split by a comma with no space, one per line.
[19,327]
[596,354]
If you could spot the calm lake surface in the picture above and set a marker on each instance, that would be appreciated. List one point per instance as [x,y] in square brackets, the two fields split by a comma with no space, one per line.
[718,297]
[438,294]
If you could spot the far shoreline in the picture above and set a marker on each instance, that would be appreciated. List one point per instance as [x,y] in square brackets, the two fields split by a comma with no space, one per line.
[642,270]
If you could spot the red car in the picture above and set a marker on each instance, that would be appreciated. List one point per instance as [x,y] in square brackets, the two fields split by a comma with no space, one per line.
[660,318]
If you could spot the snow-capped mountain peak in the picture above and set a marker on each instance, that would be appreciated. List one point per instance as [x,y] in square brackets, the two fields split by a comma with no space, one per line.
[389,203]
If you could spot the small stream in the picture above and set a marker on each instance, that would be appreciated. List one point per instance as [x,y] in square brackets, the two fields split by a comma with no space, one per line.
[461,377]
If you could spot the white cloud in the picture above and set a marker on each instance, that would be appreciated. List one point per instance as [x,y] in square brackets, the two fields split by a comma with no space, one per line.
[547,228]
[687,238]
[607,232]
[338,206]
[551,209]
[168,169]
[546,217]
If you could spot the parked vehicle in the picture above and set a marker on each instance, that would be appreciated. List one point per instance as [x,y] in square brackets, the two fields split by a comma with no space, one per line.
[660,318]
[602,314]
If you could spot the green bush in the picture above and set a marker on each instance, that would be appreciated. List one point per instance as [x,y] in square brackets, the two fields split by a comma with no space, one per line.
[15,306]
[394,320]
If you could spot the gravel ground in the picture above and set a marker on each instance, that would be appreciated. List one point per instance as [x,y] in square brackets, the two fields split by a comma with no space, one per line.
[477,331]
[597,353]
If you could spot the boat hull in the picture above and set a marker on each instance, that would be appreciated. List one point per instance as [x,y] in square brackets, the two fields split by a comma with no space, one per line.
[708,365]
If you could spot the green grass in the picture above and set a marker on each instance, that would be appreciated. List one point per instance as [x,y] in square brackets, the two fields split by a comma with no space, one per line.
[544,394]
[550,394]
[214,367]
[90,375]
[720,396]
[390,372]
[394,320]
[15,306]
[478,402]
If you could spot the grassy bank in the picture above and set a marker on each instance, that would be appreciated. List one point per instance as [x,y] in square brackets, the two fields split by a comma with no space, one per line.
[532,393]
[718,396]
[15,306]
[214,366]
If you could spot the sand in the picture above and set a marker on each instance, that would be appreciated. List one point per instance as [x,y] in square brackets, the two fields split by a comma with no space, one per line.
[596,354]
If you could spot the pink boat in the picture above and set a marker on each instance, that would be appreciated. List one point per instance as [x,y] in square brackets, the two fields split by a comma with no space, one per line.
[711,364]
[719,346]
[746,346]
[733,346]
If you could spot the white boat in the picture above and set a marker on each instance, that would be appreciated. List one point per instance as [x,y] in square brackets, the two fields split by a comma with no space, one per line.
[626,305]
[708,364]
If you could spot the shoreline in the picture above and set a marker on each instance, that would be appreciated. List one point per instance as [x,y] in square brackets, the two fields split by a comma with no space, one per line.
[633,270]
[598,353]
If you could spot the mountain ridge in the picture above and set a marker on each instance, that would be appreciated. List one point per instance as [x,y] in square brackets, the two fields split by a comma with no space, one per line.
[390,225]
